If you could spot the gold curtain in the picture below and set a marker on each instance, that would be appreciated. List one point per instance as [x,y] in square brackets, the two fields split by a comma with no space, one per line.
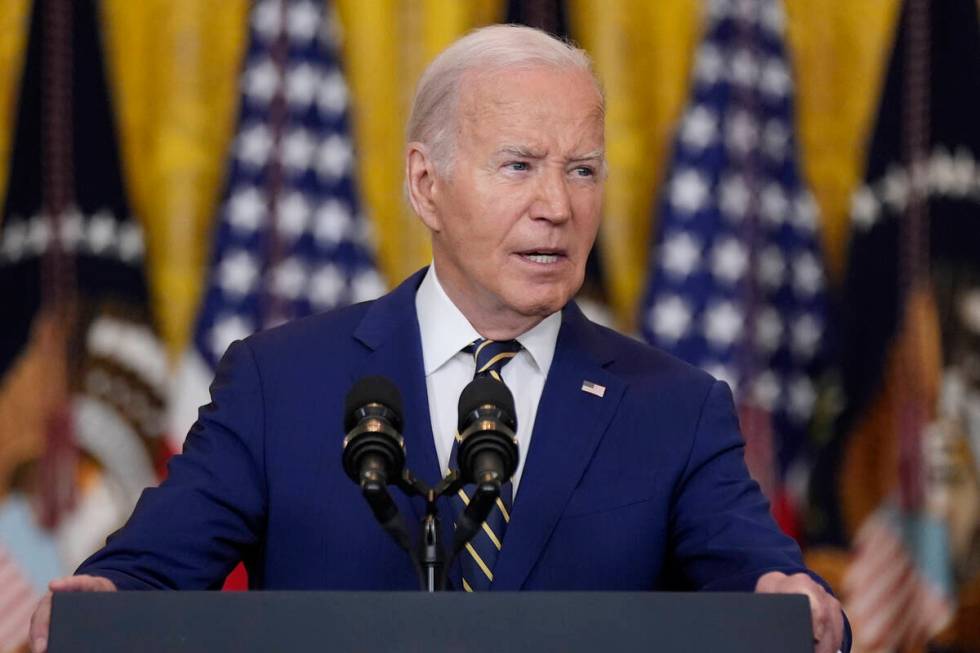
[174,66]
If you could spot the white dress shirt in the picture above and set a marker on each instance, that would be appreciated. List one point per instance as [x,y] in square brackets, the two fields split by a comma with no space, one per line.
[445,332]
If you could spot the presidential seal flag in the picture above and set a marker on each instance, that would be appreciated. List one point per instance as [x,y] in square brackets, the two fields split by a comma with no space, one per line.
[82,373]
[737,283]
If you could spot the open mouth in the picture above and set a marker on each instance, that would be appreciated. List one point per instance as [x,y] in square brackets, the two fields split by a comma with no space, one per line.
[543,256]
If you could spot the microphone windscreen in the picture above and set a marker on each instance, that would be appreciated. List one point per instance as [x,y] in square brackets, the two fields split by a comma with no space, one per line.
[484,390]
[372,390]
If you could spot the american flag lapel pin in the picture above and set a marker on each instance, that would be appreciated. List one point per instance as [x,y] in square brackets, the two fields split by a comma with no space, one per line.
[593,388]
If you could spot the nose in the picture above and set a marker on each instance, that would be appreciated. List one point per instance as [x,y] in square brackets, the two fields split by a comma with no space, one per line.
[553,202]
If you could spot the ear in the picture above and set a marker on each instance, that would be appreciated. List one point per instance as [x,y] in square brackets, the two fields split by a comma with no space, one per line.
[421,182]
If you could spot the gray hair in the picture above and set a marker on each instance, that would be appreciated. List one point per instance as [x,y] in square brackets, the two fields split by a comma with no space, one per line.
[487,49]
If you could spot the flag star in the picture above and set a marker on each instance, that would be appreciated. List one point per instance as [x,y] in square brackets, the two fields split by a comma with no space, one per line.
[688,191]
[775,140]
[670,318]
[942,171]
[741,133]
[735,198]
[332,98]
[227,330]
[964,173]
[772,267]
[865,208]
[72,229]
[289,279]
[895,188]
[804,216]
[773,204]
[335,157]
[298,148]
[14,239]
[807,275]
[729,259]
[746,11]
[366,285]
[805,336]
[327,285]
[744,69]
[293,215]
[766,390]
[237,273]
[721,372]
[246,209]
[254,146]
[332,222]
[266,19]
[710,64]
[261,80]
[768,330]
[363,231]
[301,86]
[131,245]
[303,21]
[700,128]
[101,232]
[773,18]
[681,254]
[38,235]
[802,398]
[723,324]
[776,81]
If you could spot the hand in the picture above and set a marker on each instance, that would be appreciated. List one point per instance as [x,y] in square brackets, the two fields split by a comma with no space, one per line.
[825,610]
[41,619]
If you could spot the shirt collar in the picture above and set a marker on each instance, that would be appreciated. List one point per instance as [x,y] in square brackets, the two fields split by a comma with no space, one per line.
[446,331]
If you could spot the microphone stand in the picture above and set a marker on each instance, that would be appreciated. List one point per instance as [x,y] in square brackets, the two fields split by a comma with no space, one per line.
[429,556]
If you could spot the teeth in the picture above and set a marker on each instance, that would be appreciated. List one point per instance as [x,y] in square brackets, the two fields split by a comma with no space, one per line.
[543,258]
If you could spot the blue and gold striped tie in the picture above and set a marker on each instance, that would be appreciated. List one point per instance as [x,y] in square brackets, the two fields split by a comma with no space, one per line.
[480,555]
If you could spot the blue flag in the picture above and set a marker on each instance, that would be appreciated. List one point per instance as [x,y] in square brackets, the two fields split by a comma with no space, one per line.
[737,283]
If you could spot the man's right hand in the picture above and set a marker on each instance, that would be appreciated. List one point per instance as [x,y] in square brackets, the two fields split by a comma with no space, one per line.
[41,619]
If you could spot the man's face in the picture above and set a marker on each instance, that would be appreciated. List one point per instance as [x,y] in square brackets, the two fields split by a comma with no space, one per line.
[519,210]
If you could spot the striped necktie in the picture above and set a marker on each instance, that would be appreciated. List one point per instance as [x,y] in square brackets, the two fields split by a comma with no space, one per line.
[480,555]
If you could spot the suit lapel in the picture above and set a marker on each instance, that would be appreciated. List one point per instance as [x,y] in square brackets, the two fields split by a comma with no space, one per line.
[568,427]
[390,330]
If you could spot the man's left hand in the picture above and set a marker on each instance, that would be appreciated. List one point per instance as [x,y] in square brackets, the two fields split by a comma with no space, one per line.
[828,620]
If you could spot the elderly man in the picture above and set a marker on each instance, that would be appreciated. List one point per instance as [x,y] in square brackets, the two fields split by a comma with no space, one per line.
[631,475]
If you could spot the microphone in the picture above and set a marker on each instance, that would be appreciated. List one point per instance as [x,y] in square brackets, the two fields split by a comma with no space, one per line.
[374,450]
[488,449]
[487,453]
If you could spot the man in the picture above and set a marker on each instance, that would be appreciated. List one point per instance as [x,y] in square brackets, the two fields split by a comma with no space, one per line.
[631,474]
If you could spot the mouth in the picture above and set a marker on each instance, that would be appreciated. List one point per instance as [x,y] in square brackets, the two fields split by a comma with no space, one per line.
[544,256]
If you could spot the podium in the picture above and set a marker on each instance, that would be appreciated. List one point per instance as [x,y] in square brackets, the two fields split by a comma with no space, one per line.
[340,622]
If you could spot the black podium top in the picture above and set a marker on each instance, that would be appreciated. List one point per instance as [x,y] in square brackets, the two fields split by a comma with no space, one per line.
[148,622]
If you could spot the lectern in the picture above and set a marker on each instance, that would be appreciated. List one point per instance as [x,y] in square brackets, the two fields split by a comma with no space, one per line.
[492,622]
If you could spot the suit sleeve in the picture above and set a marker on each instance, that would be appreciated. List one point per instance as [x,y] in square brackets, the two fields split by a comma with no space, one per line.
[209,513]
[724,537]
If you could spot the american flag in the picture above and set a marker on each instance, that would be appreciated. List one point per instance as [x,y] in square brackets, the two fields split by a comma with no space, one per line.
[290,238]
[737,283]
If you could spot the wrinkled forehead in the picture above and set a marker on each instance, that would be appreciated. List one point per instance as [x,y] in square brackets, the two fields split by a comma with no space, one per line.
[509,93]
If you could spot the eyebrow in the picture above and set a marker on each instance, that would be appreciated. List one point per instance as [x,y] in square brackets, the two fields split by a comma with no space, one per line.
[528,153]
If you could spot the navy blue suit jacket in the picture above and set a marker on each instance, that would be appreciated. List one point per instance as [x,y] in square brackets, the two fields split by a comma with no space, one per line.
[644,488]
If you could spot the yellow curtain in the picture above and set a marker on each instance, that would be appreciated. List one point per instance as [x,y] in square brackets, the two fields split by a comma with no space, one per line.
[14,17]
[174,66]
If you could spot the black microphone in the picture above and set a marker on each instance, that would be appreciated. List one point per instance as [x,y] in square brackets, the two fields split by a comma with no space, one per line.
[374,450]
[488,450]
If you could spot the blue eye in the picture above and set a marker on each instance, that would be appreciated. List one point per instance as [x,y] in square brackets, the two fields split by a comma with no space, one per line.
[518,165]
[585,171]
